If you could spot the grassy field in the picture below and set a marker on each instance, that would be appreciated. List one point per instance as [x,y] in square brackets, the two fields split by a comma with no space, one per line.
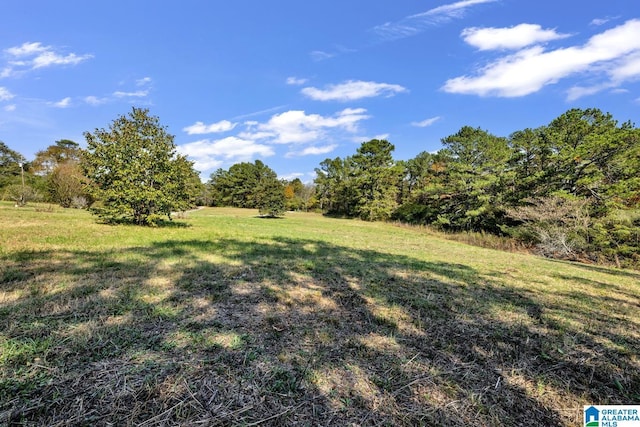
[229,319]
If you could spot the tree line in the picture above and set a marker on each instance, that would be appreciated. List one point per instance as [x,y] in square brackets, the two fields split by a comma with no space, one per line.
[570,188]
[129,172]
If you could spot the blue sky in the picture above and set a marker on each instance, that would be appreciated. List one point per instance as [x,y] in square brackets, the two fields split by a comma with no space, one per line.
[293,82]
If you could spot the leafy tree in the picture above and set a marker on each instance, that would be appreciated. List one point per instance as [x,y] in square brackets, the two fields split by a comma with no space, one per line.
[10,161]
[63,151]
[66,185]
[135,171]
[59,167]
[17,182]
[248,185]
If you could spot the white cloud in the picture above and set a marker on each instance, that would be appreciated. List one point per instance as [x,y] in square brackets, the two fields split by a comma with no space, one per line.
[297,127]
[601,21]
[612,53]
[312,151]
[136,94]
[5,94]
[143,81]
[199,128]
[361,139]
[27,49]
[515,37]
[64,103]
[305,134]
[94,100]
[318,55]
[415,24]
[208,154]
[352,90]
[425,123]
[11,107]
[32,56]
[47,59]
[291,176]
[295,81]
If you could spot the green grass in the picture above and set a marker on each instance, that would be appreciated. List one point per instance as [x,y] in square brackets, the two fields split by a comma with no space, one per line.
[232,319]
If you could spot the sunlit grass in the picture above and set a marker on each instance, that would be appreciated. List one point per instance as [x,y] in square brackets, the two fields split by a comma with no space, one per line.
[229,318]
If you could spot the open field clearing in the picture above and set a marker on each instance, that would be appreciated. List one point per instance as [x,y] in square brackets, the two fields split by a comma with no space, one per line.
[229,319]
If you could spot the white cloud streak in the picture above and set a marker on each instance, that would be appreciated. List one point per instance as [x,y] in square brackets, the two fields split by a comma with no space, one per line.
[64,103]
[515,37]
[95,101]
[426,123]
[352,90]
[312,151]
[5,94]
[415,24]
[33,56]
[135,94]
[199,128]
[295,81]
[613,54]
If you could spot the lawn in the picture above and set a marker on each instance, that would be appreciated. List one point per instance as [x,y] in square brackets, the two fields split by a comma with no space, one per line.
[226,318]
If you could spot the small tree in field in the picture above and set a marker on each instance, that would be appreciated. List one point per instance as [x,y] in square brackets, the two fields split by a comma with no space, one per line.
[134,171]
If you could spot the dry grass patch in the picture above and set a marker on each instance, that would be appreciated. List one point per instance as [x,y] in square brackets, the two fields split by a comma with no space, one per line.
[235,320]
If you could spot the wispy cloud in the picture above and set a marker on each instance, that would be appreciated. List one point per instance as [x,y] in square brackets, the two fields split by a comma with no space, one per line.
[135,94]
[415,24]
[295,81]
[515,37]
[11,107]
[319,55]
[610,58]
[34,55]
[312,151]
[352,90]
[5,94]
[94,100]
[144,81]
[64,103]
[426,123]
[199,128]
[601,21]
[259,113]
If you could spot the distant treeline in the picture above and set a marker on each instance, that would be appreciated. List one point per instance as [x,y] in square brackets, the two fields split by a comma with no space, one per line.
[570,188]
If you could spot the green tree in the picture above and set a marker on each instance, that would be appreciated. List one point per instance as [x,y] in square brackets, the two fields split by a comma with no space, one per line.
[10,169]
[135,172]
[474,200]
[66,185]
[336,186]
[63,151]
[17,182]
[248,185]
[377,179]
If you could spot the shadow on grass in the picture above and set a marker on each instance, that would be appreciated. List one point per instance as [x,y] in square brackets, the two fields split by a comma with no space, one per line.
[292,332]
